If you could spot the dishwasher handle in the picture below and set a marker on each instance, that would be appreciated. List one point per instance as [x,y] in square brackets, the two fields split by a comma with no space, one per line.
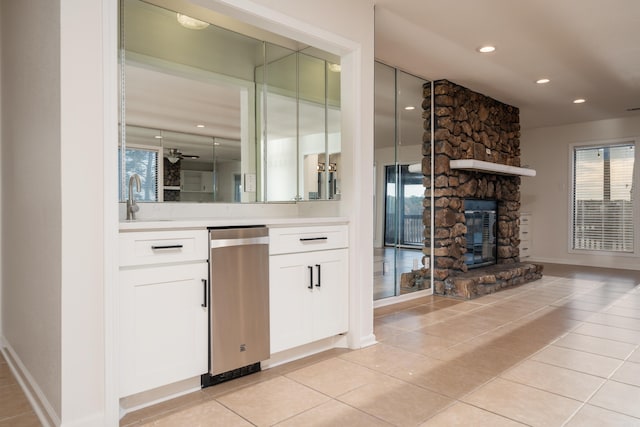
[225,243]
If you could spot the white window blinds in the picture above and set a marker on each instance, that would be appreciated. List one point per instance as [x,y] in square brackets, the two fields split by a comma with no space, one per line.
[603,198]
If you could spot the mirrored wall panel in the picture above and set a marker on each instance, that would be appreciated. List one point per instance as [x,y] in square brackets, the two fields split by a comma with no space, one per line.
[399,210]
[215,115]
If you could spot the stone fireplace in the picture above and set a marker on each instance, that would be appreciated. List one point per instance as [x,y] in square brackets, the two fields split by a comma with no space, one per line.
[469,125]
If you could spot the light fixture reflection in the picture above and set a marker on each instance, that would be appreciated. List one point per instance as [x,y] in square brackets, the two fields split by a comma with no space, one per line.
[191,23]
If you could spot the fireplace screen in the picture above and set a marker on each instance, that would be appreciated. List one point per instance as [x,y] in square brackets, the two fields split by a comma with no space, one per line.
[480,217]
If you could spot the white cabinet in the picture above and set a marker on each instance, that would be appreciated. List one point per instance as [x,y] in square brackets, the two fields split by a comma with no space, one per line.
[163,319]
[308,288]
[196,181]
[525,235]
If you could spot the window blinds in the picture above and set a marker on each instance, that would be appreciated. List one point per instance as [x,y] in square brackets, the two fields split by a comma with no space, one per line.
[603,198]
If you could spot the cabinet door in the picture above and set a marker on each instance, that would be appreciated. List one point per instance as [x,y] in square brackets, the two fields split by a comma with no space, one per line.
[163,326]
[305,306]
[207,182]
[290,314]
[330,294]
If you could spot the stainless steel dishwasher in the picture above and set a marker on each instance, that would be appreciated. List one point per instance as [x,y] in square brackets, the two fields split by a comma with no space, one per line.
[239,302]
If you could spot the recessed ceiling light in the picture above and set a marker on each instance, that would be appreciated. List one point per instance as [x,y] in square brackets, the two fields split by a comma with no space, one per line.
[487,49]
[579,101]
[542,81]
[336,68]
[216,143]
[199,126]
[158,137]
[409,107]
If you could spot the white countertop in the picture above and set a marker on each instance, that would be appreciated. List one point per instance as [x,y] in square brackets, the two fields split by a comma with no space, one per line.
[194,223]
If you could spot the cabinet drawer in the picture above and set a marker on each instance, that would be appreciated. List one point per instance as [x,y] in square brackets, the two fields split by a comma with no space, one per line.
[155,247]
[525,249]
[524,231]
[305,239]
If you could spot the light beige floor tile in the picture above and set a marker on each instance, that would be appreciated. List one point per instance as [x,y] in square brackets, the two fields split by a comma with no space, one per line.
[272,401]
[333,414]
[596,345]
[613,320]
[6,377]
[618,397]
[581,361]
[164,408]
[28,419]
[384,358]
[609,332]
[416,342]
[334,376]
[13,401]
[461,414]
[628,373]
[396,402]
[384,332]
[635,357]
[592,416]
[201,415]
[522,403]
[623,311]
[562,381]
[446,378]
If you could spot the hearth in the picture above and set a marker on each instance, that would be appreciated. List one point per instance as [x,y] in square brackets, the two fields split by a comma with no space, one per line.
[481,221]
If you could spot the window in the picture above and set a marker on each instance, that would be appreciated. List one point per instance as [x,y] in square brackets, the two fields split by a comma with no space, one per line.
[602,217]
[144,162]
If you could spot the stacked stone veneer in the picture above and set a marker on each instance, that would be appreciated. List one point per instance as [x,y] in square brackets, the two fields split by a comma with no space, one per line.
[469,125]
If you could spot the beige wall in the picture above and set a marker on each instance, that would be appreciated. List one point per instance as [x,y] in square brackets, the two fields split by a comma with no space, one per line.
[547,195]
[31,193]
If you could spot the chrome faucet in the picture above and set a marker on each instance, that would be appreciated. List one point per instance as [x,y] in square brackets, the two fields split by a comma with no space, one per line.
[132,206]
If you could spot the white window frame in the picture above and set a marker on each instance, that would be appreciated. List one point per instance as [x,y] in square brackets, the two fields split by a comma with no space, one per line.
[636,202]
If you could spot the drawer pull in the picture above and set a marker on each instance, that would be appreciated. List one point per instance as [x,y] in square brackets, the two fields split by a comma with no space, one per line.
[309,239]
[310,277]
[157,248]
[319,279]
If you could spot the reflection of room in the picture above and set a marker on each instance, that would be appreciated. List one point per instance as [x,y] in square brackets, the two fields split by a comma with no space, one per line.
[233,129]
[399,210]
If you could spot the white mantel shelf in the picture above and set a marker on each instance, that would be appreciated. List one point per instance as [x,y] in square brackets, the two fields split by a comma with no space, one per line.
[488,167]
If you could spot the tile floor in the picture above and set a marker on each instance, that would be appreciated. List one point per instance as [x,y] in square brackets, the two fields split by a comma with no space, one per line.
[15,410]
[562,351]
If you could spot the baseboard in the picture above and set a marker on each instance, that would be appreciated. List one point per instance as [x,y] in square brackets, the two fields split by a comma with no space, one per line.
[40,404]
[588,263]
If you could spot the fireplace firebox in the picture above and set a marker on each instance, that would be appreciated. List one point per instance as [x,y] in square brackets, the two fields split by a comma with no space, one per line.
[480,218]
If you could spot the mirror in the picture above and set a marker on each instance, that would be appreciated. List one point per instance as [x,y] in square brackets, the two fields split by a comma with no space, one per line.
[212,115]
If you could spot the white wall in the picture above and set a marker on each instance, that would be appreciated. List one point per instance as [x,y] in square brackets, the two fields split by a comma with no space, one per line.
[31,194]
[52,178]
[82,175]
[547,195]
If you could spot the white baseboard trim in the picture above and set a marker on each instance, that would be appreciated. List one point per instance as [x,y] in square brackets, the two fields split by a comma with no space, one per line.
[368,341]
[587,263]
[402,298]
[41,406]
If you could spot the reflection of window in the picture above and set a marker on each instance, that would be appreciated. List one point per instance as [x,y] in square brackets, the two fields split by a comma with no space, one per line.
[403,206]
[144,162]
[602,198]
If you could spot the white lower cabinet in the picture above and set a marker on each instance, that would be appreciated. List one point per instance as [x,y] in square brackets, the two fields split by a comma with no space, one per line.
[308,297]
[163,325]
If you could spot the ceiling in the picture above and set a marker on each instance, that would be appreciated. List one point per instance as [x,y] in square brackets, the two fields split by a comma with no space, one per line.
[588,49]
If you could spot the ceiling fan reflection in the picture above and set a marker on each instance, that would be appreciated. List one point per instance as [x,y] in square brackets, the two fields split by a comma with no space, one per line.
[174,155]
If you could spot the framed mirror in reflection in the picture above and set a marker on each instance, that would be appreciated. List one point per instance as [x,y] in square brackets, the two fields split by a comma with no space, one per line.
[213,115]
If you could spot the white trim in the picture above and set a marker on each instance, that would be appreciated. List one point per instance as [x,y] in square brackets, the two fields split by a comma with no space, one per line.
[40,404]
[111,211]
[402,298]
[594,261]
[497,168]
